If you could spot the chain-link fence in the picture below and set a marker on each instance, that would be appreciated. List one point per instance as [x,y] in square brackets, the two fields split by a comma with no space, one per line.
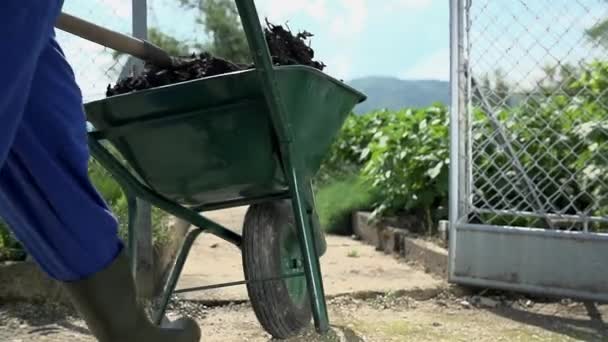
[95,66]
[536,112]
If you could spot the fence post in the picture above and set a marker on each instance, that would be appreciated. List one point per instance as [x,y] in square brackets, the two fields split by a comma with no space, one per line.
[144,263]
[455,116]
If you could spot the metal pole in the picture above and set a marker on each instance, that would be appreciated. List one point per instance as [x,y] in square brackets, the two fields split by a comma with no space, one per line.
[139,29]
[466,108]
[455,54]
[143,244]
[140,26]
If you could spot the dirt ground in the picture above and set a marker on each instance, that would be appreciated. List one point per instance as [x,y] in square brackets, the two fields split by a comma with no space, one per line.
[444,317]
[348,266]
[373,297]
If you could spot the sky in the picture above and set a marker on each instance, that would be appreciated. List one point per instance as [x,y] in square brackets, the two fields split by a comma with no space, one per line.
[407,39]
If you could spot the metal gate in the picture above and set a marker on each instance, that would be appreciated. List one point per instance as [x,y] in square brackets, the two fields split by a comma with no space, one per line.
[529,145]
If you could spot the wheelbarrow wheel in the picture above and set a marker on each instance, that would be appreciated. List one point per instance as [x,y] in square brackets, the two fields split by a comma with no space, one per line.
[270,251]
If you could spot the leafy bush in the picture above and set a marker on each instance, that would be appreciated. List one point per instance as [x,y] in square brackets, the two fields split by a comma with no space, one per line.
[401,157]
[336,201]
[409,160]
[559,135]
[10,248]
[350,151]
[117,200]
[560,131]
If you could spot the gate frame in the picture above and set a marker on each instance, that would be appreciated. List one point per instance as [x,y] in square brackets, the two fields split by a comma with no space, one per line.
[520,259]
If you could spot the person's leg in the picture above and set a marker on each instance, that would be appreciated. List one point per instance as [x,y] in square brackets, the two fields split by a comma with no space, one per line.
[45,193]
[48,200]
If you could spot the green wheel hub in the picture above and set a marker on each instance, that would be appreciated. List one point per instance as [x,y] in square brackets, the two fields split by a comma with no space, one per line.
[292,263]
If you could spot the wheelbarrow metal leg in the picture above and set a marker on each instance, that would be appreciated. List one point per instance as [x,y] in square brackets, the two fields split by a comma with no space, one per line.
[132,231]
[176,271]
[139,245]
[312,267]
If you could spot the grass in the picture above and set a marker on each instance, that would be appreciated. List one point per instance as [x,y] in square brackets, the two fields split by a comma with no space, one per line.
[10,249]
[337,200]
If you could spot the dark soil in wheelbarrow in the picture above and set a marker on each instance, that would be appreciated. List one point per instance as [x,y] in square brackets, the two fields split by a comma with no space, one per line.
[285,48]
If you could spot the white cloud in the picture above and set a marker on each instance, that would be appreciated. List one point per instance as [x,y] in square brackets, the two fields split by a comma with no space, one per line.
[120,8]
[339,66]
[392,6]
[92,9]
[280,11]
[412,4]
[435,66]
[350,19]
[342,19]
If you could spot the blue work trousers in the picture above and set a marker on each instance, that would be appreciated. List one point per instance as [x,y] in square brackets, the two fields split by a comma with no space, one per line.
[46,196]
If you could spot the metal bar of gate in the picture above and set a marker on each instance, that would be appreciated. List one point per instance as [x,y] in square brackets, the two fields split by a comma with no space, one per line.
[455,110]
[504,139]
[553,217]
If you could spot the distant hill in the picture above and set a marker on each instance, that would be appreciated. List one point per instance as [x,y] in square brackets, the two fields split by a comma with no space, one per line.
[394,93]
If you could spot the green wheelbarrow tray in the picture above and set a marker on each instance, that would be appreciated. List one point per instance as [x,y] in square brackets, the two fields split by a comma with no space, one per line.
[210,143]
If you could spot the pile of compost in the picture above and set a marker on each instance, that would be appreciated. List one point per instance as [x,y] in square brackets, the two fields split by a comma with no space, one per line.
[285,48]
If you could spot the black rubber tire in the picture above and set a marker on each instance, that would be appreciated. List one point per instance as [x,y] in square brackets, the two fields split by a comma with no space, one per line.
[274,308]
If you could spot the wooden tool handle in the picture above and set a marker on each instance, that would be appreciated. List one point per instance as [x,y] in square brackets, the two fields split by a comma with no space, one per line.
[114,40]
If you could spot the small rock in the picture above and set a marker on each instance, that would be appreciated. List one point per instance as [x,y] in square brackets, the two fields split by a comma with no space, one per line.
[436,324]
[529,303]
[465,304]
[488,302]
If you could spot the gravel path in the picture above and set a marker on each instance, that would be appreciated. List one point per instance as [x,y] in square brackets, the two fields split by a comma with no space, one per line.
[373,298]
[445,317]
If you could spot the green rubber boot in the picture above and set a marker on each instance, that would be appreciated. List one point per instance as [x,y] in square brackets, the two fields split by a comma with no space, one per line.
[107,302]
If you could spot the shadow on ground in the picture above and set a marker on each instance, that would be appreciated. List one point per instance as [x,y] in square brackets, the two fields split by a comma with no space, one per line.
[336,334]
[585,327]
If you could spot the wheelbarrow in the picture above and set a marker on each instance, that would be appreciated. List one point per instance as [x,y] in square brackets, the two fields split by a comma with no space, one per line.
[254,137]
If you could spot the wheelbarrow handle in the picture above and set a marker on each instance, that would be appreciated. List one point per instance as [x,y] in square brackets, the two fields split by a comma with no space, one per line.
[141,49]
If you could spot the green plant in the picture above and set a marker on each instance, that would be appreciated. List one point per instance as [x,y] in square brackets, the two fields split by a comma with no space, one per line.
[337,200]
[10,248]
[117,200]
[350,152]
[559,135]
[409,161]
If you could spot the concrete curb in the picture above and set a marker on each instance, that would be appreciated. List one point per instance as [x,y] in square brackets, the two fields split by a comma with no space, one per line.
[401,243]
[25,281]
